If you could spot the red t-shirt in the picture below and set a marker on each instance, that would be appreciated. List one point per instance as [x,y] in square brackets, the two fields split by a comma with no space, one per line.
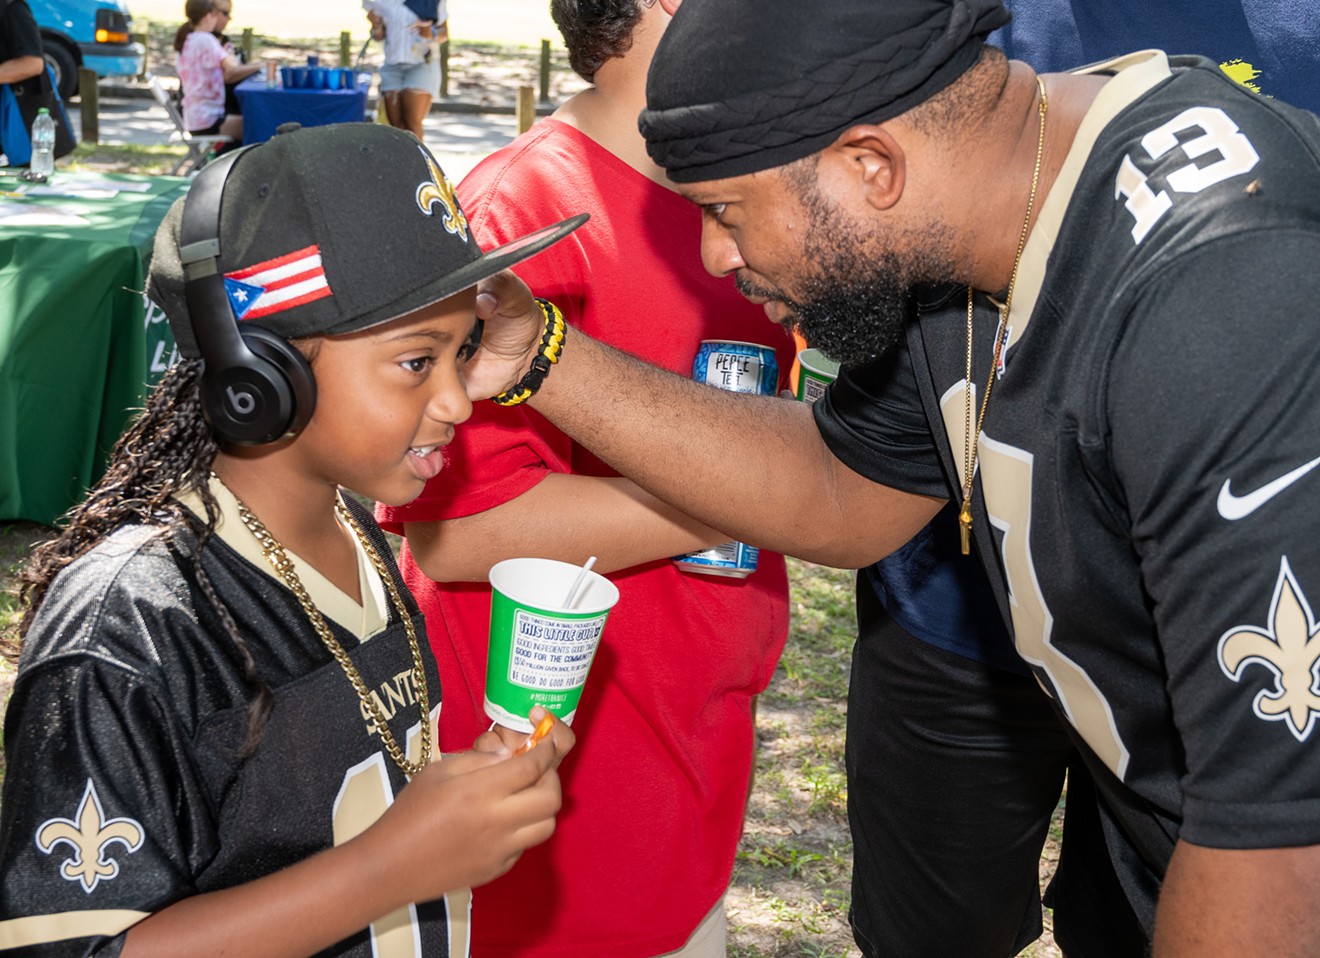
[655,790]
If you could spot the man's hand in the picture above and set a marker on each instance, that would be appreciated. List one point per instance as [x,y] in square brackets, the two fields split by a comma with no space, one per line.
[514,324]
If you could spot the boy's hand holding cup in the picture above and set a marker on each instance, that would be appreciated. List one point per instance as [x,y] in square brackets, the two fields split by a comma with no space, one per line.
[548,731]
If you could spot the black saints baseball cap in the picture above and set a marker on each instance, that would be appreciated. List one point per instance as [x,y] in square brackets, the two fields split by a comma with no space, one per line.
[332,229]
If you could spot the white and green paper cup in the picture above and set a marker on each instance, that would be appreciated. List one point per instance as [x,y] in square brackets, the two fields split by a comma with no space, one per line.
[540,651]
[815,372]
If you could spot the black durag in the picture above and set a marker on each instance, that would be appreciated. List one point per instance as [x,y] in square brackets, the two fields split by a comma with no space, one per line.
[739,86]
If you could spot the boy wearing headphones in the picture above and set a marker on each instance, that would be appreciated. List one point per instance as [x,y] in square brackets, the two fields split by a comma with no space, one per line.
[223,728]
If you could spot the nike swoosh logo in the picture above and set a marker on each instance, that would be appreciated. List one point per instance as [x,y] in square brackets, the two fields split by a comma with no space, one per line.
[1233,507]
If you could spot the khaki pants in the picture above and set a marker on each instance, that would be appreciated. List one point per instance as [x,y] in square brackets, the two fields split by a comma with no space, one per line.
[709,940]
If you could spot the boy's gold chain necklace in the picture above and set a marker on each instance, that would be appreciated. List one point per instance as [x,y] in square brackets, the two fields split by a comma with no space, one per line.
[972,439]
[283,565]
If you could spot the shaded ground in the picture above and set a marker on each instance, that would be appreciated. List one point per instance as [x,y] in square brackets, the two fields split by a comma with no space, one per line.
[484,74]
[511,22]
[476,118]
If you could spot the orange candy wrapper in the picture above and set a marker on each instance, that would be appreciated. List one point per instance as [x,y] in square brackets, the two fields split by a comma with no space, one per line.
[541,731]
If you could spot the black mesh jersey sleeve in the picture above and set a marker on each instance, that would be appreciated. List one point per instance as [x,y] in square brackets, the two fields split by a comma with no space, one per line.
[873,421]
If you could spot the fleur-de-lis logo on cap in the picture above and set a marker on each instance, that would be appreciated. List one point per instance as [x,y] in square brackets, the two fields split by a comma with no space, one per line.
[1290,648]
[438,189]
[90,837]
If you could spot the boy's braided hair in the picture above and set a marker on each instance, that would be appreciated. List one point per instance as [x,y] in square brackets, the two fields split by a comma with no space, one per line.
[167,450]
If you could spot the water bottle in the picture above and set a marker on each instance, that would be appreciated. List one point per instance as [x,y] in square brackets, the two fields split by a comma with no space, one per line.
[43,143]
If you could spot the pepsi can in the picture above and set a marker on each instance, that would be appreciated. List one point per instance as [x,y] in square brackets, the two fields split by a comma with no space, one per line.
[743,368]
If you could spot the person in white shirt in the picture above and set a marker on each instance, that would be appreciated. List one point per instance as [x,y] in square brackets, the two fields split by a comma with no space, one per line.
[410,73]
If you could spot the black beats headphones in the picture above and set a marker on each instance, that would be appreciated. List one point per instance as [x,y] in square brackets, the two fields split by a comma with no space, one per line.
[256,386]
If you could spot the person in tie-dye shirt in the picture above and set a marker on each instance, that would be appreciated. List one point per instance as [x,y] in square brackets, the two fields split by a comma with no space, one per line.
[205,67]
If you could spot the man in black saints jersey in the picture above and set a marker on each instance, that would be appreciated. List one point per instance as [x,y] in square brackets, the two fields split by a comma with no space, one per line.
[1086,308]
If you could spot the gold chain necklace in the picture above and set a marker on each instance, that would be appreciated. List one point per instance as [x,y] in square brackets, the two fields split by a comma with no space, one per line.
[283,565]
[972,440]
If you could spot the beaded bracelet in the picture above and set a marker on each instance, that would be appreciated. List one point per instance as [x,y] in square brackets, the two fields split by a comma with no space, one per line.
[547,354]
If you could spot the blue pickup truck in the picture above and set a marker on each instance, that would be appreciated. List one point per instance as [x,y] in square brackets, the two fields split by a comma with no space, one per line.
[96,34]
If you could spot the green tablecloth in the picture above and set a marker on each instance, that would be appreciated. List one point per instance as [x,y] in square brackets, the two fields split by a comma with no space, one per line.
[78,345]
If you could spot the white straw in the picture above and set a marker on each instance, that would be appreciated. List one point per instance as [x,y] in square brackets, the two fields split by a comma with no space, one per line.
[577,583]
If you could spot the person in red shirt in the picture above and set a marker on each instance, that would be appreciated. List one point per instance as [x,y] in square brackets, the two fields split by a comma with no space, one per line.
[655,796]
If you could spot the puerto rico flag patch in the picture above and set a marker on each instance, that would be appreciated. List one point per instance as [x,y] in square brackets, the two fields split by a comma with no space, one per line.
[277,284]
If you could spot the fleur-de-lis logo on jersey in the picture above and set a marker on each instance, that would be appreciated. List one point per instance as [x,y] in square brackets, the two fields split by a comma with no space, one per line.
[90,837]
[1290,648]
[438,189]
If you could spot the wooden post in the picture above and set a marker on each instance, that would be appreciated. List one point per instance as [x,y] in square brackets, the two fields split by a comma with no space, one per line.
[246,44]
[545,71]
[146,53]
[444,69]
[345,49]
[526,109]
[89,97]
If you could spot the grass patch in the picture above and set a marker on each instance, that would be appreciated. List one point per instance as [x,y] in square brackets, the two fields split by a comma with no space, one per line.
[16,539]
[790,890]
[126,157]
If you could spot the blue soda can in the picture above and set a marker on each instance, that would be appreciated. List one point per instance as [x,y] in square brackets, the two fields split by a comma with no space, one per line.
[742,368]
[738,367]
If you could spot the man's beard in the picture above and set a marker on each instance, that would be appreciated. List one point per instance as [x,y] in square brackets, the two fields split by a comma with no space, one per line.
[855,304]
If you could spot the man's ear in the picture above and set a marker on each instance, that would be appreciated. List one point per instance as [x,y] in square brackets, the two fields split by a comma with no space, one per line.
[669,6]
[871,154]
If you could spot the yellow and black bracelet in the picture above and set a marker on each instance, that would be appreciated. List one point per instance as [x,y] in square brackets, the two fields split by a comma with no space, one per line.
[547,354]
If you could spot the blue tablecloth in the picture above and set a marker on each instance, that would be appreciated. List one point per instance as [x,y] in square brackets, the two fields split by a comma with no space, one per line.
[265,108]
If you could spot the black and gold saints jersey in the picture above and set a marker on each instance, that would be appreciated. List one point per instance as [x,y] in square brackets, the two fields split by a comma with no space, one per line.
[1150,457]
[125,791]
